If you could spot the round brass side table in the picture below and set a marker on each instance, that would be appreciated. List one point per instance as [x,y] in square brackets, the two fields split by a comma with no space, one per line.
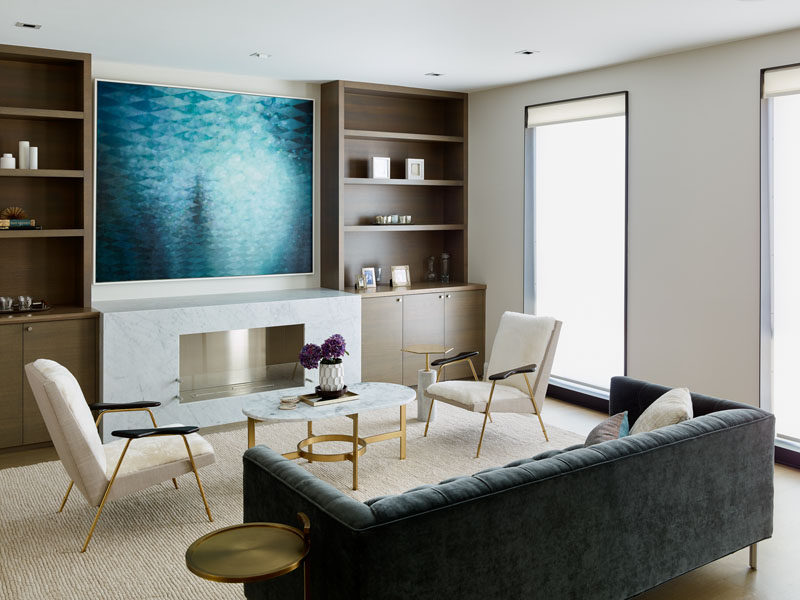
[252,552]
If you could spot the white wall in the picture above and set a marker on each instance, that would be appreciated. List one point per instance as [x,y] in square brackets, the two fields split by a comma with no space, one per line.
[222,81]
[693,206]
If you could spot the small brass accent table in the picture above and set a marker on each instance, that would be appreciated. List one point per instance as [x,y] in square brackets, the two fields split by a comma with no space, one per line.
[252,552]
[264,406]
[427,350]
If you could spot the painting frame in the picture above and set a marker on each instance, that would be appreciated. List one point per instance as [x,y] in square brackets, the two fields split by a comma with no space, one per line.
[369,277]
[314,199]
[401,276]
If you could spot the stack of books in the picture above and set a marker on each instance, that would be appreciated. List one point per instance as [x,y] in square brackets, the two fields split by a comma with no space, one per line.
[17,224]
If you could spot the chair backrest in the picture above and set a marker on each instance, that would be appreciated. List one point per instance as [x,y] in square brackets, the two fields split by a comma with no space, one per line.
[70,425]
[523,339]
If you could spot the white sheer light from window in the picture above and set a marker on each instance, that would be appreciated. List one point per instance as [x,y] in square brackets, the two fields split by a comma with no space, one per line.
[785,180]
[579,228]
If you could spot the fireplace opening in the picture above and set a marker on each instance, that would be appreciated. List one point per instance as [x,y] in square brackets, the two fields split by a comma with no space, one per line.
[220,364]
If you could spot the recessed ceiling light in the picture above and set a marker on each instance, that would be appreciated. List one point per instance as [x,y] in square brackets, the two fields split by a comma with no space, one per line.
[527,52]
[27,25]
[432,74]
[261,55]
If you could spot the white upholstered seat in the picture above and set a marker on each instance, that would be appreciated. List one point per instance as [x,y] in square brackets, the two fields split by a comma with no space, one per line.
[520,340]
[92,465]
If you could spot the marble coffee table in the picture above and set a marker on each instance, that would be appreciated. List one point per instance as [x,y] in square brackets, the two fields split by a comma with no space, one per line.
[372,396]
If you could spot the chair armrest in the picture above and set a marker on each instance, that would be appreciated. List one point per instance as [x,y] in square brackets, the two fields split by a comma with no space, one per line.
[140,433]
[506,374]
[460,356]
[122,405]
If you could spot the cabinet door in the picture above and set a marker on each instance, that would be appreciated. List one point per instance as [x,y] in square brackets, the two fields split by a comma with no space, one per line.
[11,388]
[423,323]
[382,339]
[72,344]
[464,322]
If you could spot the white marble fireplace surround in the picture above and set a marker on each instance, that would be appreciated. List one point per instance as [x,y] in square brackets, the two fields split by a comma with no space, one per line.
[140,346]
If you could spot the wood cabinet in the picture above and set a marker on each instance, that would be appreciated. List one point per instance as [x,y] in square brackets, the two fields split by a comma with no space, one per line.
[72,343]
[381,339]
[363,120]
[454,317]
[46,98]
[11,389]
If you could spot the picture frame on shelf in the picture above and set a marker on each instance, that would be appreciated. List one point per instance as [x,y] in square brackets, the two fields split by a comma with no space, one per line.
[415,168]
[380,167]
[369,277]
[401,276]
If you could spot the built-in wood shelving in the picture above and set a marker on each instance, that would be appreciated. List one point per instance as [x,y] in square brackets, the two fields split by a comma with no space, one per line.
[396,228]
[10,112]
[63,173]
[363,134]
[429,182]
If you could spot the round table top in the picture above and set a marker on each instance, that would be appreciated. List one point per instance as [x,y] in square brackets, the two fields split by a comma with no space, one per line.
[247,553]
[427,349]
[373,395]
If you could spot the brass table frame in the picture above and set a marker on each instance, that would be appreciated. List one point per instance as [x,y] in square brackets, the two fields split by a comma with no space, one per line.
[219,576]
[359,444]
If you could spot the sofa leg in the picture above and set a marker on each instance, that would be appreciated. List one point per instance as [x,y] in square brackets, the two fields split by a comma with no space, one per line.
[754,556]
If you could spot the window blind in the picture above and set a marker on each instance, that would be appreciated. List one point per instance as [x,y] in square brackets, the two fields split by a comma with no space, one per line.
[781,82]
[612,105]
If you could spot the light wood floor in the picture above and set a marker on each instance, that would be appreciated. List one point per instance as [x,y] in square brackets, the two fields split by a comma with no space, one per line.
[729,578]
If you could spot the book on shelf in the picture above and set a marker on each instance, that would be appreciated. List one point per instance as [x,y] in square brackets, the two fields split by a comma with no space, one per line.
[17,222]
[20,227]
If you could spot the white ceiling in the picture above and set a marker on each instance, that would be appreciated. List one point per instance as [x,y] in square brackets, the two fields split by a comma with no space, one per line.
[472,42]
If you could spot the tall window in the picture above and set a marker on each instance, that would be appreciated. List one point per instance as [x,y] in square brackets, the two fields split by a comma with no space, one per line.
[576,177]
[781,248]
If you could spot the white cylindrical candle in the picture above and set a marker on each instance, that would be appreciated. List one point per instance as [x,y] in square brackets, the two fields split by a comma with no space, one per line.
[33,157]
[7,161]
[24,149]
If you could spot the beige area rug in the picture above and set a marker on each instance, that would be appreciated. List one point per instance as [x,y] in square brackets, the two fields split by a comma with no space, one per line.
[138,547]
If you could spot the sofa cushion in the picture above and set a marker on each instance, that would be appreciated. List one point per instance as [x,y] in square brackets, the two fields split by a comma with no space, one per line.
[614,427]
[675,406]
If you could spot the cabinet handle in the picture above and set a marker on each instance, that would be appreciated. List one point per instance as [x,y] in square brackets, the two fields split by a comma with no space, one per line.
[398,299]
[29,328]
[447,296]
[440,296]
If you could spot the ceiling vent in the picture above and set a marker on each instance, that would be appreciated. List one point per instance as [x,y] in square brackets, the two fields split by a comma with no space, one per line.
[526,52]
[22,25]
[432,74]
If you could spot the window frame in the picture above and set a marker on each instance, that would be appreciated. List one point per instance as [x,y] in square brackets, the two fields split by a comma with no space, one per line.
[581,394]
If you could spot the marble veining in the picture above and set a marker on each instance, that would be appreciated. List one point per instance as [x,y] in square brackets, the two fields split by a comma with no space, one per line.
[264,406]
[141,340]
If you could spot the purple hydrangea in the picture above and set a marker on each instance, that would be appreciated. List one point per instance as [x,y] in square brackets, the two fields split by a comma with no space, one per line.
[310,356]
[334,347]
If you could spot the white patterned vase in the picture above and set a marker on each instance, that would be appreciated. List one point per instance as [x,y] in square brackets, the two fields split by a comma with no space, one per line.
[331,376]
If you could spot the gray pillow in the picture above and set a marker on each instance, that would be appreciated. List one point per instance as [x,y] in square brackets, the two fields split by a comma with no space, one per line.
[612,428]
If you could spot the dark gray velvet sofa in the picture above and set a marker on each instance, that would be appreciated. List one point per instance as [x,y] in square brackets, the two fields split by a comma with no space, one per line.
[608,521]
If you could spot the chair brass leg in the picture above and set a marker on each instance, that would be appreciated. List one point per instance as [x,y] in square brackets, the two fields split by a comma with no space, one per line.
[64,501]
[175,483]
[754,556]
[485,416]
[197,476]
[536,410]
[471,366]
[105,496]
[428,422]
[251,432]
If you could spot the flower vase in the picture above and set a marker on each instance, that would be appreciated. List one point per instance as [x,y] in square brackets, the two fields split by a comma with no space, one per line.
[331,375]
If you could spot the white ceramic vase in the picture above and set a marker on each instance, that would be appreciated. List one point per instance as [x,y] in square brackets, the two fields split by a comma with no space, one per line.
[331,376]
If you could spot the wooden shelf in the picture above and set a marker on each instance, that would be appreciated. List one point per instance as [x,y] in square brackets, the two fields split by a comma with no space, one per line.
[41,173]
[57,313]
[9,112]
[421,287]
[422,182]
[441,227]
[40,233]
[362,134]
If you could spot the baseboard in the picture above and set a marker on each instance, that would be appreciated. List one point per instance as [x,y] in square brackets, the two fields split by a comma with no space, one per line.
[581,399]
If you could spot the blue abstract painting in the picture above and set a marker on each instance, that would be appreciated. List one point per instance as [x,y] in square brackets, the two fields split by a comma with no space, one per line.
[194,183]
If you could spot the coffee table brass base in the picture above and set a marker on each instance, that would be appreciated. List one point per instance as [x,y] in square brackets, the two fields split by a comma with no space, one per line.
[359,443]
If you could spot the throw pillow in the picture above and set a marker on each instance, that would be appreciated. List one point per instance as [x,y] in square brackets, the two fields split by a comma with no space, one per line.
[672,407]
[612,428]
